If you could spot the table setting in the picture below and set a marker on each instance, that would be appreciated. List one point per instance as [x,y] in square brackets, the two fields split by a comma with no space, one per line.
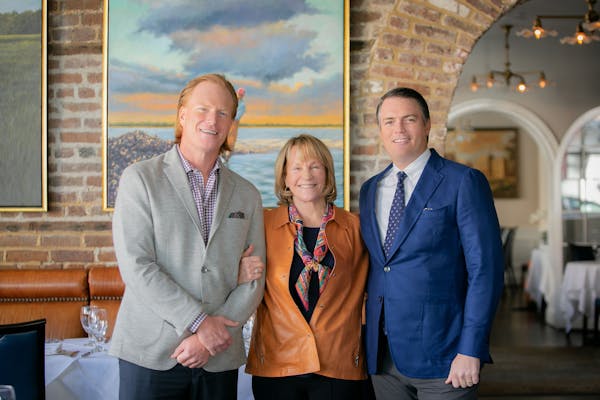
[80,368]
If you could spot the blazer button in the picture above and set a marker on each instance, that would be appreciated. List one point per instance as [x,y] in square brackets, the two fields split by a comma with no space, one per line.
[204,270]
[386,269]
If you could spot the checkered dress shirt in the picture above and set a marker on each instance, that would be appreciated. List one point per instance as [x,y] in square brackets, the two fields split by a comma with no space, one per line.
[205,198]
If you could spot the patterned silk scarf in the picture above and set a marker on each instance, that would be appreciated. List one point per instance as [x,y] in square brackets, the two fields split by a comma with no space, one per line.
[312,262]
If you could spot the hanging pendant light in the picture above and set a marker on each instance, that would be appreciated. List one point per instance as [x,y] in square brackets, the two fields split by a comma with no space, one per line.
[508,75]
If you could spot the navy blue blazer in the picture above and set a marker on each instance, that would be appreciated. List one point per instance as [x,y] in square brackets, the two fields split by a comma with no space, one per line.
[442,282]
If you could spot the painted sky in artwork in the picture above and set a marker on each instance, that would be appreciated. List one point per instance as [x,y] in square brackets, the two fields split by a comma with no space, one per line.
[7,6]
[287,54]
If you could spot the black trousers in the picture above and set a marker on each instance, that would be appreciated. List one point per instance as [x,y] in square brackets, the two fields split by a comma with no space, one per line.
[306,387]
[177,383]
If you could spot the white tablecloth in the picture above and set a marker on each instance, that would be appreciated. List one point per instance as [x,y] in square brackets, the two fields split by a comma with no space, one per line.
[80,376]
[580,287]
[538,282]
[95,376]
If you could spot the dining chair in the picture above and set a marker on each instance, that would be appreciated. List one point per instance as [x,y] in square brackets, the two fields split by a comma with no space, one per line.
[22,358]
[580,252]
[507,249]
[596,317]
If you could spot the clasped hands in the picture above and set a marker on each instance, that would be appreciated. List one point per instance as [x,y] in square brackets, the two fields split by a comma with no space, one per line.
[212,337]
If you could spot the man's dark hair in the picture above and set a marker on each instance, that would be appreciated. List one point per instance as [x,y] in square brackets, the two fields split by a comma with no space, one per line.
[407,93]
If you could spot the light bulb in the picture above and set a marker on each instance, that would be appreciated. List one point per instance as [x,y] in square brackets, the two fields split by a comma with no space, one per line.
[542,82]
[538,31]
[474,85]
[490,80]
[580,35]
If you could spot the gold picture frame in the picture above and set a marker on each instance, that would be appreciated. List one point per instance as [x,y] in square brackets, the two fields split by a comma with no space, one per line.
[293,63]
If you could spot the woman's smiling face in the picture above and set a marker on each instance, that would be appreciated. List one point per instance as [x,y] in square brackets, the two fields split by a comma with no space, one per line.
[305,178]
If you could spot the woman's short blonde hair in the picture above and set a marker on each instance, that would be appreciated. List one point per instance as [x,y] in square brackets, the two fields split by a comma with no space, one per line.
[185,94]
[311,148]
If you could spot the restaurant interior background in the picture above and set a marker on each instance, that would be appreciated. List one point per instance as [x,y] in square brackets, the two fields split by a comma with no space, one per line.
[558,128]
[435,46]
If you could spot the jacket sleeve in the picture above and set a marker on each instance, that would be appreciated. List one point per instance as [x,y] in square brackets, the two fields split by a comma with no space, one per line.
[244,299]
[480,238]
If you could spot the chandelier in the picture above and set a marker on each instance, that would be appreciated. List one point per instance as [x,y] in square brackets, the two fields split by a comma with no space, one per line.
[587,30]
[495,77]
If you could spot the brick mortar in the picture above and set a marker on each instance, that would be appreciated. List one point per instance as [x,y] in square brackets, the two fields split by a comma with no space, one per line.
[374,20]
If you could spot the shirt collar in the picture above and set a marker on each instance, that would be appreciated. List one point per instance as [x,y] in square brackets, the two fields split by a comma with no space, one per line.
[187,166]
[413,170]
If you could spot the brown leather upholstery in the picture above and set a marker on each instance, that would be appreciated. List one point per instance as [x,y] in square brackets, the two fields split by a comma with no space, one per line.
[56,295]
[106,291]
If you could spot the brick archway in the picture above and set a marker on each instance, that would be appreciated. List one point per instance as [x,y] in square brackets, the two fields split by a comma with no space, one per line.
[419,43]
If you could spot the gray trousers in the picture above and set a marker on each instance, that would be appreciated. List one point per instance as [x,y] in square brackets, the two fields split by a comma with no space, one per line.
[392,385]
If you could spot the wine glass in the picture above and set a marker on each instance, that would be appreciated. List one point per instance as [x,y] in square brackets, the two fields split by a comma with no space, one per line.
[84,314]
[98,325]
[7,392]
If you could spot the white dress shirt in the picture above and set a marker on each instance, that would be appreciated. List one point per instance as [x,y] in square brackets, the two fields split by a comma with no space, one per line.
[387,187]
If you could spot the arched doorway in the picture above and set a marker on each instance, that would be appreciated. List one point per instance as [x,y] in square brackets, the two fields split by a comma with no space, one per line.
[548,149]
[556,210]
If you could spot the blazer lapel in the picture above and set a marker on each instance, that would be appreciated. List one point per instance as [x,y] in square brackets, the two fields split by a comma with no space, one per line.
[176,175]
[373,227]
[428,183]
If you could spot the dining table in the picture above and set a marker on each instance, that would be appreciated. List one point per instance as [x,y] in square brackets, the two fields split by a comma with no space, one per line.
[579,290]
[74,371]
[538,282]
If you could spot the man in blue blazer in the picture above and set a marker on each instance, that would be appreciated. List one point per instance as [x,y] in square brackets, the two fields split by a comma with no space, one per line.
[434,290]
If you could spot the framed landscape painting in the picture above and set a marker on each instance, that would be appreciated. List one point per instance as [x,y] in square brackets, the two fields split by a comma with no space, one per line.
[23,168]
[493,151]
[291,58]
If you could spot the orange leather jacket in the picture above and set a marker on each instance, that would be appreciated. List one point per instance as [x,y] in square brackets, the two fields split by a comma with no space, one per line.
[283,343]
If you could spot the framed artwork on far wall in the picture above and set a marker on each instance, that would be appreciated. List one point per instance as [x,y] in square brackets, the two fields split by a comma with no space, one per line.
[23,106]
[291,58]
[493,151]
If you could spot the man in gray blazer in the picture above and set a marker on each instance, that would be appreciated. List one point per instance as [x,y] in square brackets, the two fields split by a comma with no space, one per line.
[183,226]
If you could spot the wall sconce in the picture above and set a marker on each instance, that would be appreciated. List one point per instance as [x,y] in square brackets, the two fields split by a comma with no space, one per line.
[587,29]
[492,77]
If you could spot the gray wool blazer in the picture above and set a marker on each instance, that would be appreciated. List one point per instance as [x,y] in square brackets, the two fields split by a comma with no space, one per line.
[170,275]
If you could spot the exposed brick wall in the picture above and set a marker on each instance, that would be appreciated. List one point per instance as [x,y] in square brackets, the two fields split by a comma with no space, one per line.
[75,232]
[418,43]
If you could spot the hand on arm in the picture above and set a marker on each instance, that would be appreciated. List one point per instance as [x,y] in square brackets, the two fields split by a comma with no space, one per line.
[214,335]
[191,353]
[251,267]
[464,371]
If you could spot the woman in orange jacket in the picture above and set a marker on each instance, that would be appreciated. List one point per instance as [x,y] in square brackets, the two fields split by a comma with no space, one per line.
[306,342]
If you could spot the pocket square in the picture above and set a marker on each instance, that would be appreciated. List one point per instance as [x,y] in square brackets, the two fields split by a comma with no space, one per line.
[237,214]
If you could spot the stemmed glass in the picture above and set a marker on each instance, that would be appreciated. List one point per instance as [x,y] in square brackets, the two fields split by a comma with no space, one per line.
[7,392]
[98,325]
[84,314]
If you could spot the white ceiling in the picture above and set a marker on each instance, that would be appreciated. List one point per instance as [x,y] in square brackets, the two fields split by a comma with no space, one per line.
[572,70]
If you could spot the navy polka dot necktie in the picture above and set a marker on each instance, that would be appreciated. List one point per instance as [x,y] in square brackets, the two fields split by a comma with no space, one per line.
[396,213]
